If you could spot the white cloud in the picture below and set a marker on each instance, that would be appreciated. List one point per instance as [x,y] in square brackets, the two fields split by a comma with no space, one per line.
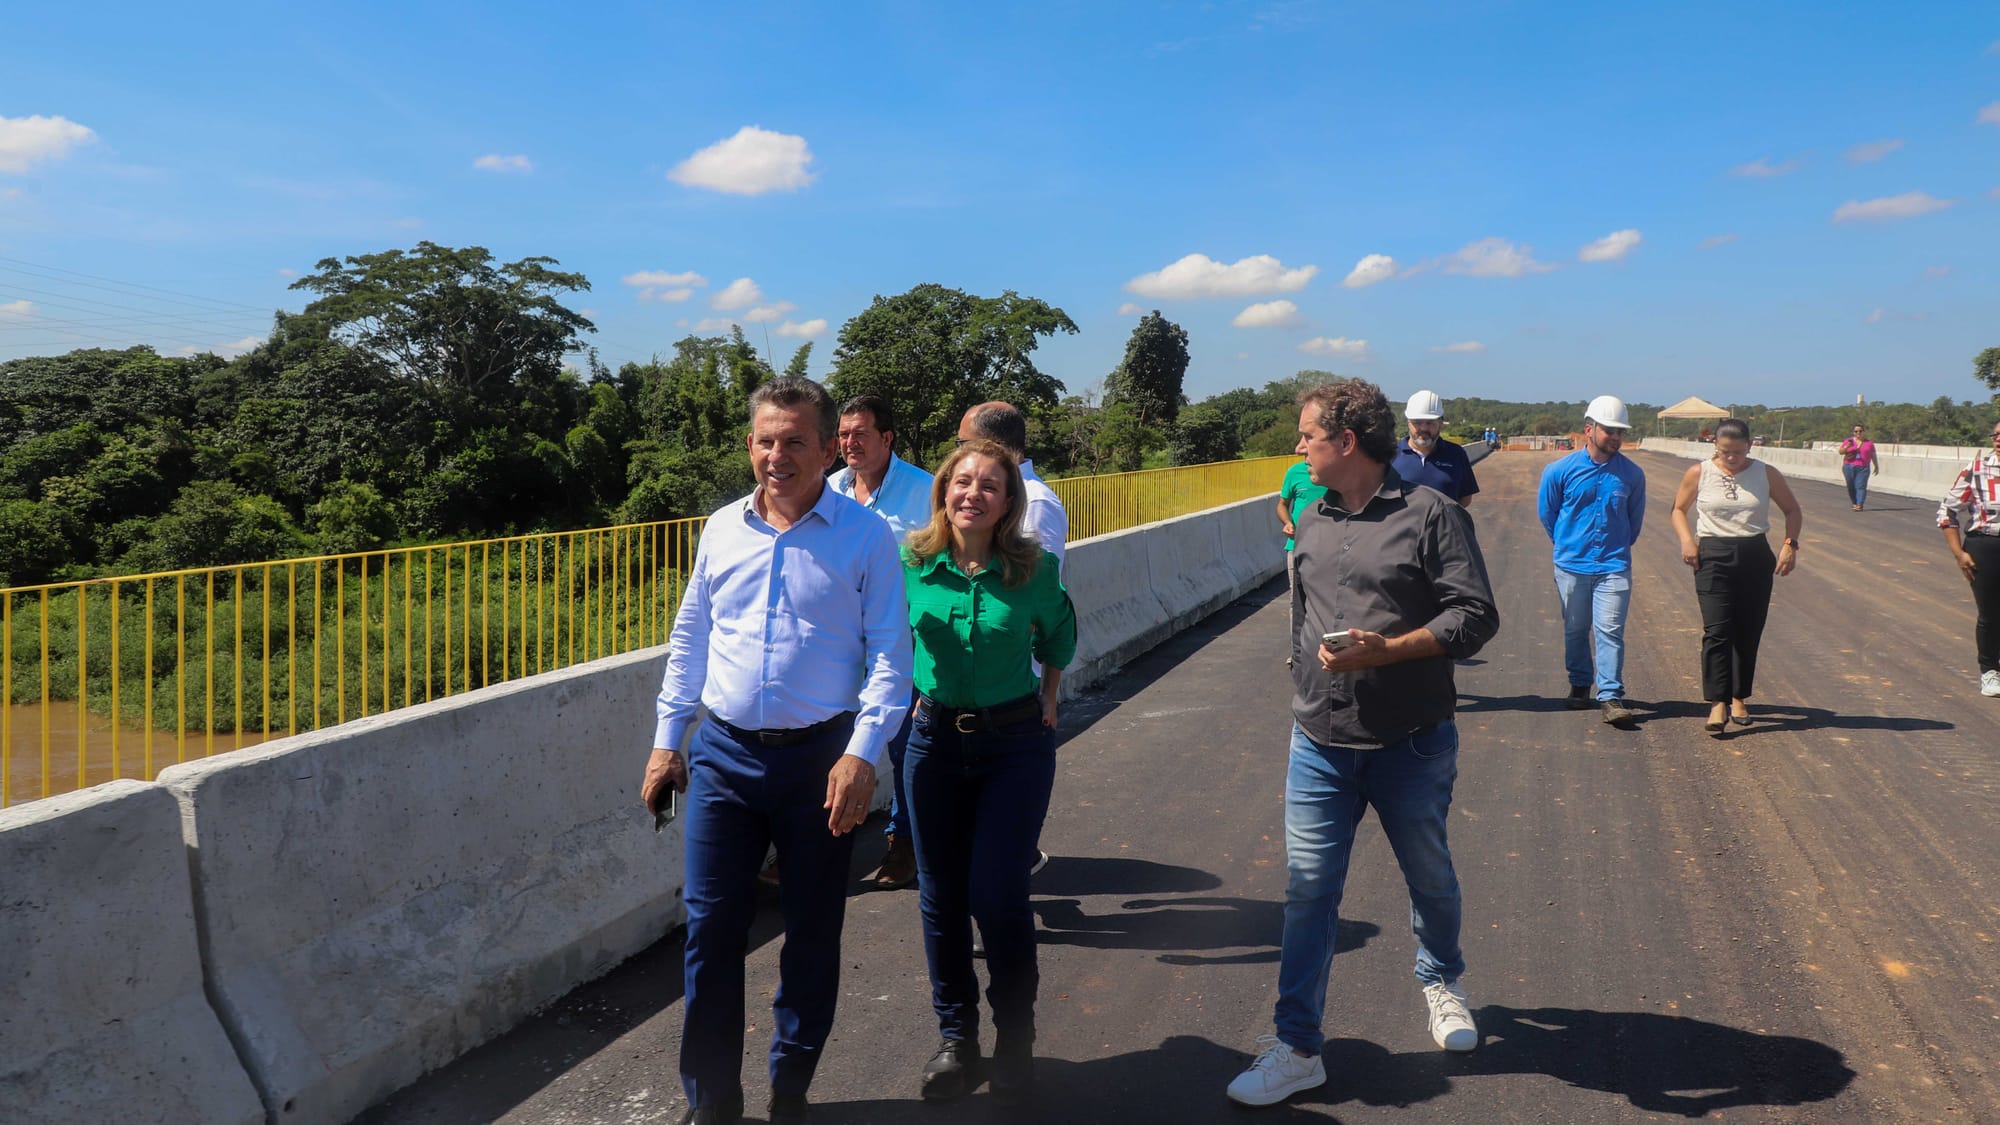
[767,313]
[1993,48]
[1873,151]
[1369,270]
[494,162]
[1881,314]
[1937,271]
[286,271]
[1715,240]
[1340,346]
[1908,205]
[587,314]
[1762,168]
[10,193]
[1993,193]
[1467,346]
[1130,309]
[1490,257]
[1989,114]
[28,141]
[1269,314]
[710,324]
[407,224]
[659,285]
[803,329]
[1199,275]
[229,350]
[752,162]
[17,309]
[738,294]
[1611,247]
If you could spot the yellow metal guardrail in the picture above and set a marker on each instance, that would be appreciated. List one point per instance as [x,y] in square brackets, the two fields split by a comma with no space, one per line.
[122,677]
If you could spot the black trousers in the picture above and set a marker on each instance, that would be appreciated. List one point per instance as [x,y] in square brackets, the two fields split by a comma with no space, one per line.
[1985,552]
[1733,583]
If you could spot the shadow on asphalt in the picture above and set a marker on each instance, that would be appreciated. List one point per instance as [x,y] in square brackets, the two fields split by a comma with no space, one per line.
[1195,923]
[1771,717]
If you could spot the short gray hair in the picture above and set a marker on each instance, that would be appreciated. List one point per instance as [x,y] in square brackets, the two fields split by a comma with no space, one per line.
[791,392]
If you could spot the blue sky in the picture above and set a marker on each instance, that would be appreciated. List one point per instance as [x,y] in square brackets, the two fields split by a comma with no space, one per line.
[1785,203]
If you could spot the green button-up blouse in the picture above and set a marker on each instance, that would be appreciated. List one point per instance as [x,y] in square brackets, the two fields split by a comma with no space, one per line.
[974,635]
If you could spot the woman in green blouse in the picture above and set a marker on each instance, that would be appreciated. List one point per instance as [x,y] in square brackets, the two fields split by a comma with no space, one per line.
[981,760]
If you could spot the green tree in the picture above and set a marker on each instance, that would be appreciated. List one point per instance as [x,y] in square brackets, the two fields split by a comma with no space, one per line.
[1986,368]
[801,359]
[34,541]
[1205,432]
[935,352]
[1148,383]
[352,516]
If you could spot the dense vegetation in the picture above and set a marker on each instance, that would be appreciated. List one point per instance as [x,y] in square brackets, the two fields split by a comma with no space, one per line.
[424,395]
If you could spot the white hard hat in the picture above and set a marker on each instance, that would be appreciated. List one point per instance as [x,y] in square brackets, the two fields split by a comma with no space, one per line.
[1425,406]
[1608,410]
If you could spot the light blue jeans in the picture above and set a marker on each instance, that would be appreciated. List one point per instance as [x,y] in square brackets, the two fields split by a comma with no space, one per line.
[1594,608]
[1328,789]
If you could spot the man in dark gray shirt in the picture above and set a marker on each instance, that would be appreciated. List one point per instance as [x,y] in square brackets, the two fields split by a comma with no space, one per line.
[1391,590]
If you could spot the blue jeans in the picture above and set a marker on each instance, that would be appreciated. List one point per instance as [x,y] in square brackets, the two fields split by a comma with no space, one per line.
[1594,607]
[742,797]
[1328,789]
[977,802]
[899,805]
[1857,482]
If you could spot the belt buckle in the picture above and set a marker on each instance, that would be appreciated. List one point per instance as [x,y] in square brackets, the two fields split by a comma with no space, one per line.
[960,719]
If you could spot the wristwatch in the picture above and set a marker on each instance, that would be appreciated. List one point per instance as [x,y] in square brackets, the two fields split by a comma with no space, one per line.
[1792,543]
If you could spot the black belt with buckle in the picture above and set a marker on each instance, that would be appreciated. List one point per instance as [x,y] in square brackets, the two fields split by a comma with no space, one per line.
[789,737]
[973,720]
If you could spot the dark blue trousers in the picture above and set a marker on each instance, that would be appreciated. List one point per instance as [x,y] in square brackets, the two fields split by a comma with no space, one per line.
[742,798]
[977,802]
[899,805]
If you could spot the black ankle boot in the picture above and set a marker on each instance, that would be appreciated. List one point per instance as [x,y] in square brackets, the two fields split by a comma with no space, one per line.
[1011,1071]
[953,1072]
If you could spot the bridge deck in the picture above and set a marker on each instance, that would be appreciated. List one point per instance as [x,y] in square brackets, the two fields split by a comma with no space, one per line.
[1792,922]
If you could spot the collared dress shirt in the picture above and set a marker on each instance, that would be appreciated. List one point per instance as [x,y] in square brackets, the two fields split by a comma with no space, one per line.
[1407,560]
[1593,512]
[779,630]
[1447,469]
[1045,520]
[1973,503]
[975,634]
[904,499]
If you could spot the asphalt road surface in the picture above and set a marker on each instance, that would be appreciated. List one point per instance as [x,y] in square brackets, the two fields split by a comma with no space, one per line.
[1794,922]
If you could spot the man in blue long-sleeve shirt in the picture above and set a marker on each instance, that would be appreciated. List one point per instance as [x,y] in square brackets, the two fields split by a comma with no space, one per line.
[1592,504]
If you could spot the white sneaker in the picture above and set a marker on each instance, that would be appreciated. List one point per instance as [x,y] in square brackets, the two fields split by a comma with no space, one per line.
[1451,1018]
[1041,861]
[1277,1074]
[1989,683]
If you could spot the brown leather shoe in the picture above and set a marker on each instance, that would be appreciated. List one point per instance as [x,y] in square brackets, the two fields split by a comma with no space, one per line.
[899,865]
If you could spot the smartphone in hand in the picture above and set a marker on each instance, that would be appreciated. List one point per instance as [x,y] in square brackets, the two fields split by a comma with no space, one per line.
[1336,641]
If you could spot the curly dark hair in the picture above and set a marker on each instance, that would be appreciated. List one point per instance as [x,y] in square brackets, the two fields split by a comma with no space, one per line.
[1358,405]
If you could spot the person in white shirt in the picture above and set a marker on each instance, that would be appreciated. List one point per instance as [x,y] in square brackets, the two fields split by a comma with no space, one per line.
[793,632]
[900,493]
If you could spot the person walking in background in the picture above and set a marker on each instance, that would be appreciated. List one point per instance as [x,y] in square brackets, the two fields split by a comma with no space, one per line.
[1970,517]
[900,493]
[1425,456]
[981,763]
[1592,504]
[1294,493]
[1857,461]
[794,634]
[1391,591]
[1730,497]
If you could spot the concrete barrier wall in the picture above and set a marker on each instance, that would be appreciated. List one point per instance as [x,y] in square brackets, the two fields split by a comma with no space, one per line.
[1921,478]
[369,901]
[382,896]
[102,1014]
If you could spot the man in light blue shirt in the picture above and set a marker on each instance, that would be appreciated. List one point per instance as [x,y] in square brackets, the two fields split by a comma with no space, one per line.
[1592,503]
[793,632]
[900,493]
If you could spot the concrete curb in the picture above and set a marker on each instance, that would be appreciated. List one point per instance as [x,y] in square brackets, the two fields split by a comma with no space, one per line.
[102,1013]
[1918,478]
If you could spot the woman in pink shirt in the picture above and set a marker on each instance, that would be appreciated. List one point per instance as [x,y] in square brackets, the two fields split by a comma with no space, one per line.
[1857,460]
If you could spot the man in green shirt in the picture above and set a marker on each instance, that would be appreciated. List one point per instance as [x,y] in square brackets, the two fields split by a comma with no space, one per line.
[1295,495]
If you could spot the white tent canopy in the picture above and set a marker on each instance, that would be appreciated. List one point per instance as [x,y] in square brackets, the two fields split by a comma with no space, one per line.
[1694,406]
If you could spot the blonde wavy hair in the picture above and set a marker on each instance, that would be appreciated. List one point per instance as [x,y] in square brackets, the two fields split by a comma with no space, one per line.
[1018,554]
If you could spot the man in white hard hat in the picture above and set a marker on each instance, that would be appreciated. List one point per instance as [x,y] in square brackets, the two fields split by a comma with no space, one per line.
[1425,456]
[1592,504]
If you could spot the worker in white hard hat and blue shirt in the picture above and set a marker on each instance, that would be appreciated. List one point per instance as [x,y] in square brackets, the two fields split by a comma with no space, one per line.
[1592,504]
[1425,456]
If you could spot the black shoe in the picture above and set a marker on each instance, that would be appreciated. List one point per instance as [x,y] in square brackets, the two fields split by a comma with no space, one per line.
[1011,1072]
[1579,697]
[1615,711]
[953,1072]
[789,1109]
[714,1114]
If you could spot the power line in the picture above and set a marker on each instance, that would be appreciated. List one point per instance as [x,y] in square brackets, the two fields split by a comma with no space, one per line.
[115,285]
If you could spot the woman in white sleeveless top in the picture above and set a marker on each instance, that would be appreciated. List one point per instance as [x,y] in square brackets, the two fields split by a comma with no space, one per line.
[1730,496]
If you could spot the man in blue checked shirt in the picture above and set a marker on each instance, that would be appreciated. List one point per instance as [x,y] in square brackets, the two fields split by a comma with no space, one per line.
[900,493]
[793,632]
